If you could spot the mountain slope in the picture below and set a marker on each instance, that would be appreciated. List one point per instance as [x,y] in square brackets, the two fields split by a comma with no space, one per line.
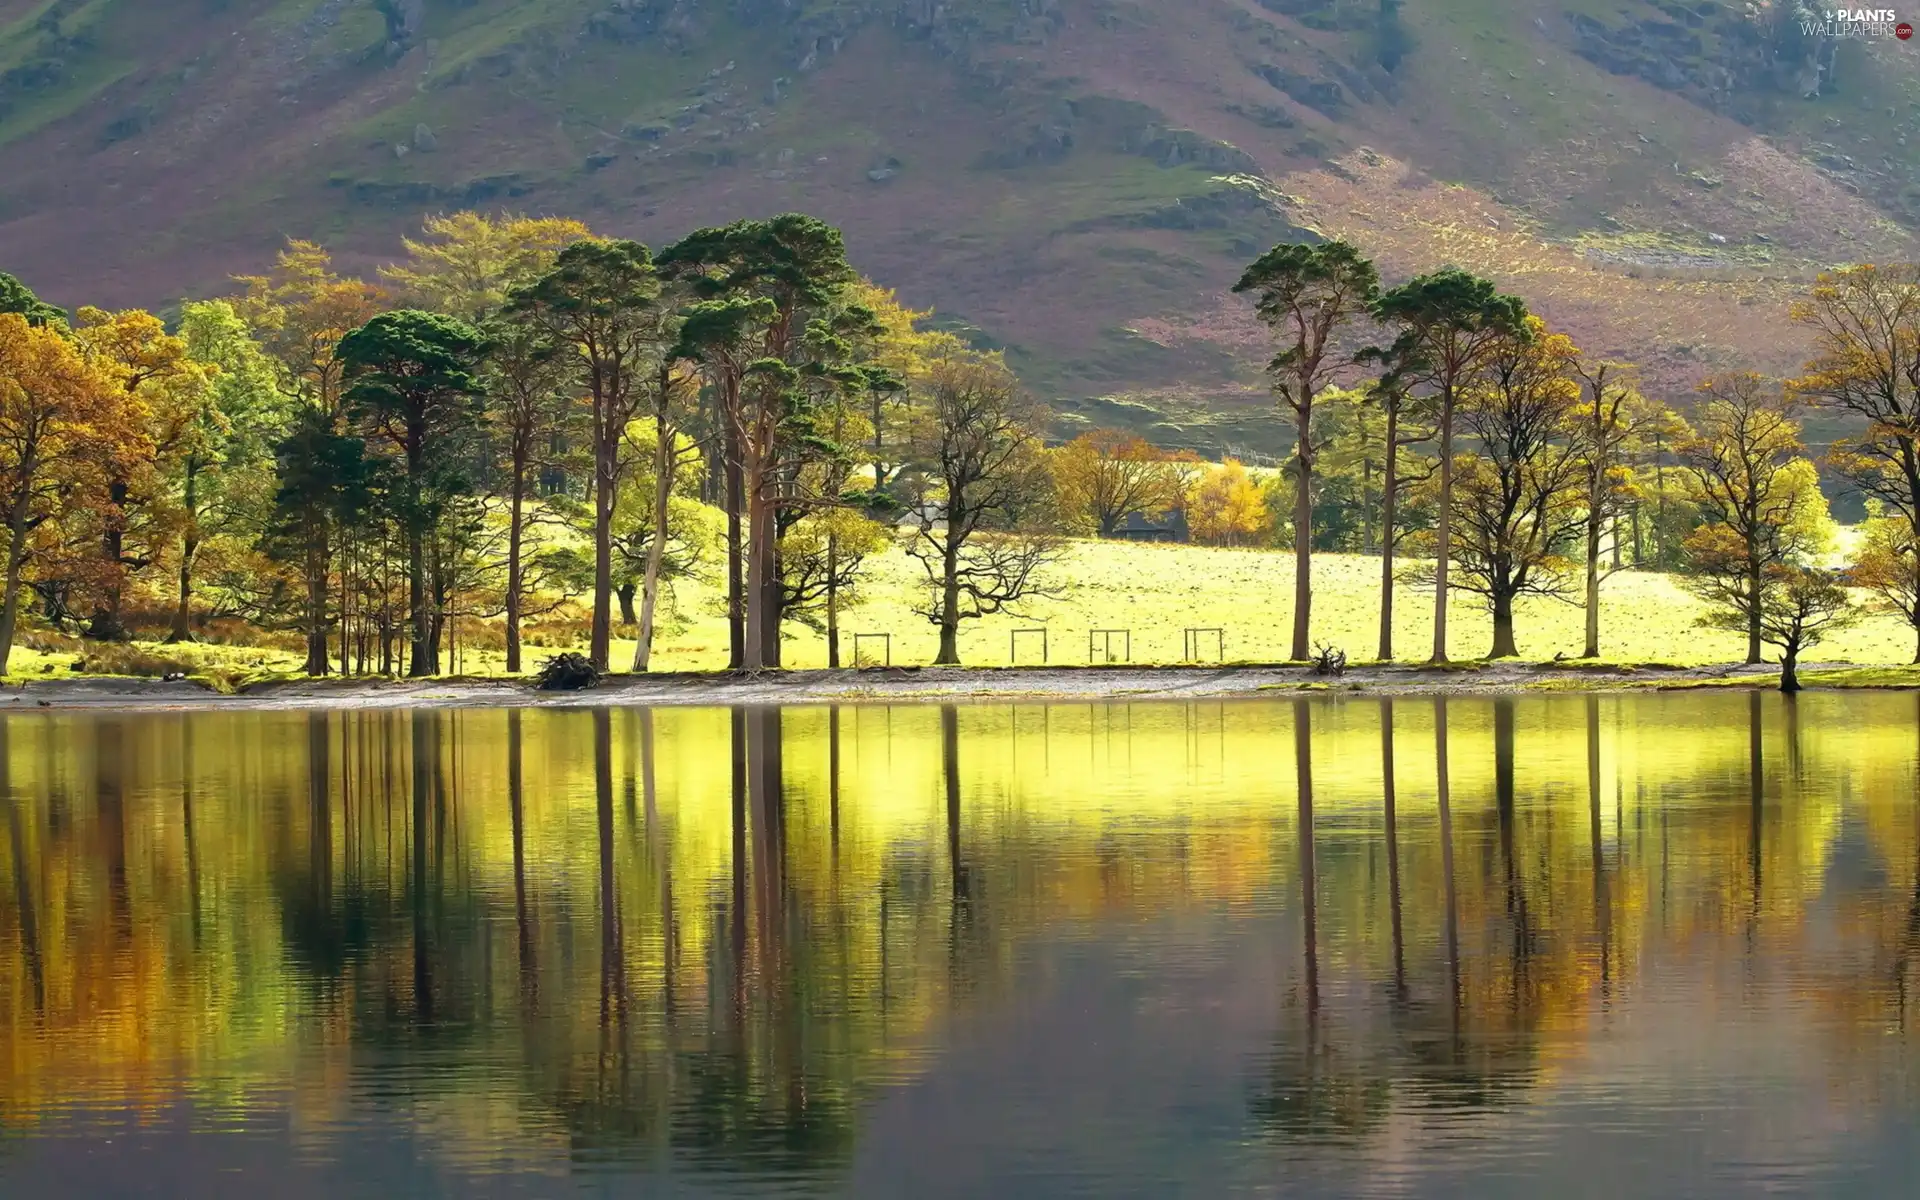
[1077,180]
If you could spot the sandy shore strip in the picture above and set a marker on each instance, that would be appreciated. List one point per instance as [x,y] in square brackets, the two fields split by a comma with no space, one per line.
[899,685]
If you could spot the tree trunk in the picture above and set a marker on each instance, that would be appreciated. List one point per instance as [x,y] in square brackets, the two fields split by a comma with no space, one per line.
[1790,672]
[600,646]
[773,603]
[663,460]
[1614,527]
[624,593]
[760,538]
[421,662]
[182,629]
[879,464]
[949,605]
[346,601]
[1303,537]
[833,603]
[1443,530]
[516,569]
[736,585]
[107,624]
[1753,604]
[1388,499]
[1593,580]
[1503,645]
[317,605]
[16,551]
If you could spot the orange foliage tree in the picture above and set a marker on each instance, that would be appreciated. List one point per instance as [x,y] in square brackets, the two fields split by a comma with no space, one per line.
[166,389]
[1106,476]
[66,428]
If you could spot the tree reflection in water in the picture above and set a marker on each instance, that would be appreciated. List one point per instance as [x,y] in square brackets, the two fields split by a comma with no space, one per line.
[709,940]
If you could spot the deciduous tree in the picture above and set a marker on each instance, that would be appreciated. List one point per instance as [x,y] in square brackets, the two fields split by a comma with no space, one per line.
[63,425]
[166,390]
[1106,476]
[1611,420]
[1518,498]
[1759,500]
[299,313]
[1798,607]
[1227,508]
[468,264]
[672,398]
[978,526]
[1888,564]
[1865,323]
[220,466]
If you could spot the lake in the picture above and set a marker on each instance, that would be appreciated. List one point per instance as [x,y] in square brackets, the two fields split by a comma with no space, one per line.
[1562,945]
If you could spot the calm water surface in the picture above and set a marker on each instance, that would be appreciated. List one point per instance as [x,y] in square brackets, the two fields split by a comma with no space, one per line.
[1553,946]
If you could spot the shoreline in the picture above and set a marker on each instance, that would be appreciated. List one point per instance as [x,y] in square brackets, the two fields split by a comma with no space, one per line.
[938,684]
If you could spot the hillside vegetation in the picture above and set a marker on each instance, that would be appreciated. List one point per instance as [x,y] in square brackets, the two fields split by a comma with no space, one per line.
[1073,180]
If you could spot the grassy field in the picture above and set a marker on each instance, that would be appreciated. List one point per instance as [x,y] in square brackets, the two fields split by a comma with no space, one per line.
[1158,591]
[1153,591]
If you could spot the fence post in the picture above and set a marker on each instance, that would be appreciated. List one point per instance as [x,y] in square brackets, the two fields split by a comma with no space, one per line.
[1013,645]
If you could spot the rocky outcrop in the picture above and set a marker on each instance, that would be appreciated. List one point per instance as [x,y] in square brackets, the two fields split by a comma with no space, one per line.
[1732,62]
[1184,147]
[1123,126]
[413,193]
[1247,203]
[1323,95]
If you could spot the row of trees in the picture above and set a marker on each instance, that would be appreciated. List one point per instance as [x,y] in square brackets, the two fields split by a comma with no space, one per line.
[518,413]
[1472,435]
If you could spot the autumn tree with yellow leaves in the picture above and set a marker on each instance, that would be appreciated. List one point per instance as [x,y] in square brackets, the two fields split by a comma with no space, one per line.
[67,428]
[1518,497]
[1227,508]
[1865,323]
[1887,564]
[1106,476]
[1759,499]
[166,390]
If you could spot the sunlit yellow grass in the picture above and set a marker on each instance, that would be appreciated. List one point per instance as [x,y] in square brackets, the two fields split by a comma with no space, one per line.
[1153,592]
[1157,591]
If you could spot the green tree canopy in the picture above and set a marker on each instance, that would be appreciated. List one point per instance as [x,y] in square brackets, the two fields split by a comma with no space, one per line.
[17,297]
